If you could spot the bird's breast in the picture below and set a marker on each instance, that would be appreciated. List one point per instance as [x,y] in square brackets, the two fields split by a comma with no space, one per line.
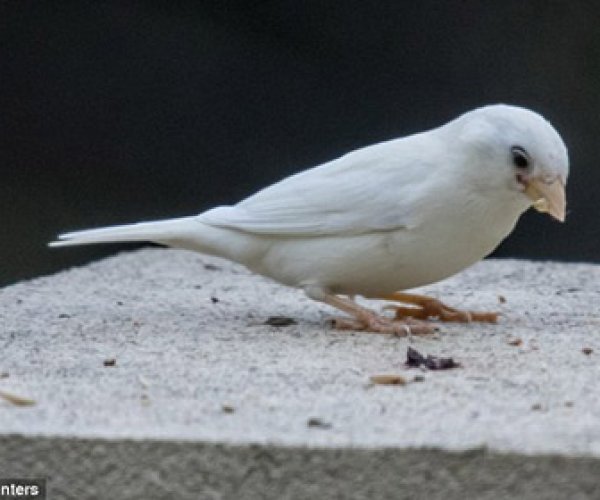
[382,262]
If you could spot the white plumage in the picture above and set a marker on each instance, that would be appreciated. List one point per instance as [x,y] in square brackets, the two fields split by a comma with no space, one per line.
[385,218]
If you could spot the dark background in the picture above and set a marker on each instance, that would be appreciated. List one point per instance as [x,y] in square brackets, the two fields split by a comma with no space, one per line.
[115,112]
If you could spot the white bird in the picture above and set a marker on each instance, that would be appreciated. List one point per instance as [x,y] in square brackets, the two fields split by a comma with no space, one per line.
[385,218]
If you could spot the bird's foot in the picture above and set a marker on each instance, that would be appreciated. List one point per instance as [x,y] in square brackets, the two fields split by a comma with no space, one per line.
[427,308]
[380,324]
[365,320]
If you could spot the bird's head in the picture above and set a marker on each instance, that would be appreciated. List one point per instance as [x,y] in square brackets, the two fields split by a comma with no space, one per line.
[517,151]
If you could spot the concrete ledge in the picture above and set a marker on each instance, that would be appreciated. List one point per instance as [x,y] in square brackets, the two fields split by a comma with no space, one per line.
[96,468]
[205,401]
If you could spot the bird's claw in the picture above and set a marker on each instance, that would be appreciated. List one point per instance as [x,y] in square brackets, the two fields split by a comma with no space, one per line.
[378,324]
[428,308]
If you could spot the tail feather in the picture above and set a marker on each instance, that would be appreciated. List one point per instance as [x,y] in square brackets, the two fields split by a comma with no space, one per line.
[157,231]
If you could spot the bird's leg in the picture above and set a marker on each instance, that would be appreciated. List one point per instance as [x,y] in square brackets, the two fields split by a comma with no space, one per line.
[365,320]
[427,308]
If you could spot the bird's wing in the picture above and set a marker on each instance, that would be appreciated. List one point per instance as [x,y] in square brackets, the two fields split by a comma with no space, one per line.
[372,189]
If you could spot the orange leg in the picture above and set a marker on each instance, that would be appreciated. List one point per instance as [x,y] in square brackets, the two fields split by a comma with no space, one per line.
[365,320]
[427,308]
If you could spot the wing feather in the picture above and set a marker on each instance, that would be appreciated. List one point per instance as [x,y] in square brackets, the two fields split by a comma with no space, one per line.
[363,191]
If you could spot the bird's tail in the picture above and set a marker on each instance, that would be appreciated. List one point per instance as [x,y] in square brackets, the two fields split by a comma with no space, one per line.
[167,232]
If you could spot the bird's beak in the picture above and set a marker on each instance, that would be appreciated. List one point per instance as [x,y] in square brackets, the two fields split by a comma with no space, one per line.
[547,196]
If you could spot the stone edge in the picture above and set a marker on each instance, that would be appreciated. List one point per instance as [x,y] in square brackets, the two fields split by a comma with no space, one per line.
[81,468]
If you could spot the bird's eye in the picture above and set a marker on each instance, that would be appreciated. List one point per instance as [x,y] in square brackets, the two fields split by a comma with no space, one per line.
[520,158]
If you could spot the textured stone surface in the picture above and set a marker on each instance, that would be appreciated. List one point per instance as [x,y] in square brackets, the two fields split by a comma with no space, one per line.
[196,370]
[92,469]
